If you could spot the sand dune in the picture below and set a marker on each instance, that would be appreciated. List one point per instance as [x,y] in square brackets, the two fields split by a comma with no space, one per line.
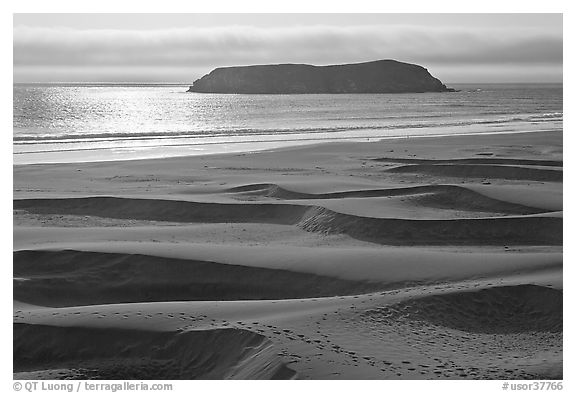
[497,310]
[479,161]
[440,260]
[164,210]
[501,231]
[482,171]
[390,267]
[315,335]
[438,196]
[92,353]
[70,278]
[549,198]
[535,229]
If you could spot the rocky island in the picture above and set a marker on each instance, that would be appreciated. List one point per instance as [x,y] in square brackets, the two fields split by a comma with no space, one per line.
[382,76]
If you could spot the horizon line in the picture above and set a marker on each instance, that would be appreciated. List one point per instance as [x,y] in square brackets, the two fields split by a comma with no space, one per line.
[188,83]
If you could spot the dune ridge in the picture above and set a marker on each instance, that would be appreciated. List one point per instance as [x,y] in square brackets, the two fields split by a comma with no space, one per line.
[481,171]
[394,267]
[93,353]
[480,161]
[164,210]
[534,229]
[495,310]
[71,278]
[496,231]
[438,196]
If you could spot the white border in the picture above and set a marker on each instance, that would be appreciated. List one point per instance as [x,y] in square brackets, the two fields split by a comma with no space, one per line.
[307,6]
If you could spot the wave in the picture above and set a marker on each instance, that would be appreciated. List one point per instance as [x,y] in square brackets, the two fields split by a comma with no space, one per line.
[247,132]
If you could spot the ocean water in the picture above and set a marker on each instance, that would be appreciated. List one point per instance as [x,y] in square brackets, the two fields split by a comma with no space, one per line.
[59,123]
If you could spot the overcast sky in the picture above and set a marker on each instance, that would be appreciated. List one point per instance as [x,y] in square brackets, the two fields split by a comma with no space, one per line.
[181,48]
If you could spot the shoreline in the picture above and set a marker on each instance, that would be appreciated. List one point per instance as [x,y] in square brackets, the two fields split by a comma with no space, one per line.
[162,152]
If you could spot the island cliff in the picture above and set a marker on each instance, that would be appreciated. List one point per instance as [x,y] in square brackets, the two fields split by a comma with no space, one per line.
[382,76]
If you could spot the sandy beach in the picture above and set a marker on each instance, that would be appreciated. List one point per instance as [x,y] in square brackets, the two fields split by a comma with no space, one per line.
[416,258]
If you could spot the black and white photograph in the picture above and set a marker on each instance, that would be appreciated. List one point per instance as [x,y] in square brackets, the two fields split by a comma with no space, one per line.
[303,196]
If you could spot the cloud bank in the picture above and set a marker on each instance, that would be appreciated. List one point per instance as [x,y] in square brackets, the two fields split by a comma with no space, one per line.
[187,53]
